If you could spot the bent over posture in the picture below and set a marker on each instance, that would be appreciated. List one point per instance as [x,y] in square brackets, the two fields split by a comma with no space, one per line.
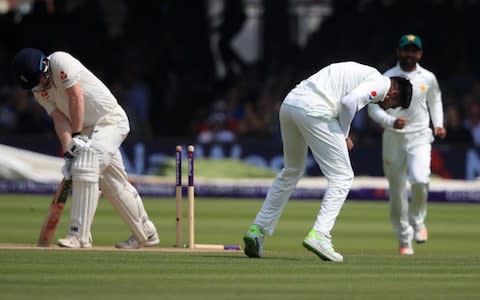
[317,114]
[91,126]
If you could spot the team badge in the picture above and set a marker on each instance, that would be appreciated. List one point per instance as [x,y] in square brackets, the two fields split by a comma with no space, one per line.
[423,87]
[44,94]
[372,95]
[63,75]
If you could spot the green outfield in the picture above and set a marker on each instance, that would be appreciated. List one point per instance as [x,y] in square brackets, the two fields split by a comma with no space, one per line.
[447,267]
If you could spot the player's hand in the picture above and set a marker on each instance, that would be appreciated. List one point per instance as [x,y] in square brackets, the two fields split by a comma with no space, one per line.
[440,132]
[67,166]
[400,122]
[349,144]
[78,142]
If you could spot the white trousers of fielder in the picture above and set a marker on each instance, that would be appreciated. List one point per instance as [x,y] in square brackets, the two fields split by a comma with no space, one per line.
[327,144]
[407,157]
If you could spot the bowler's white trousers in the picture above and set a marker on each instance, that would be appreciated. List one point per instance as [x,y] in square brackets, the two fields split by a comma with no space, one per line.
[407,156]
[327,144]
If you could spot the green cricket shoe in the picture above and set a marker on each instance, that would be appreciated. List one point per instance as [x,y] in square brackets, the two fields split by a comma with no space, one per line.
[253,240]
[321,246]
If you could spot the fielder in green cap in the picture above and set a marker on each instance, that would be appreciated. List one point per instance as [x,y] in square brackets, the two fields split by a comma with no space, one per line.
[410,39]
[407,140]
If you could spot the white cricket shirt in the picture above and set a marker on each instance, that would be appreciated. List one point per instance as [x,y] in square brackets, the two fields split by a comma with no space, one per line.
[426,102]
[320,94]
[66,71]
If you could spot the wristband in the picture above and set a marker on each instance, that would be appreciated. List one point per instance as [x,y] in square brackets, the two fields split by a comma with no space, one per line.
[74,134]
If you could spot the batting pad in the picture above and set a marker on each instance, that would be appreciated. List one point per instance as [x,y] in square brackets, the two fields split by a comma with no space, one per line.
[85,194]
[124,197]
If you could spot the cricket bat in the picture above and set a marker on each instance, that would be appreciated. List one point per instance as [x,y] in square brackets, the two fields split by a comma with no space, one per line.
[54,213]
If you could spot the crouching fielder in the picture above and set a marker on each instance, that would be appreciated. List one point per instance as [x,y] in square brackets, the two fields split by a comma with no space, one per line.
[91,126]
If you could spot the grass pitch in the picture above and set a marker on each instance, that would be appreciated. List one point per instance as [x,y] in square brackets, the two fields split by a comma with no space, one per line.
[446,267]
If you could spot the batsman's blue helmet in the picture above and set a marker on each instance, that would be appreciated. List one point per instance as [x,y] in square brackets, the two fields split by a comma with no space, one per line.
[28,64]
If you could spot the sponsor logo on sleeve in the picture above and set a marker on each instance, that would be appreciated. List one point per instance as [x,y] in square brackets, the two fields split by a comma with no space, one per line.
[372,95]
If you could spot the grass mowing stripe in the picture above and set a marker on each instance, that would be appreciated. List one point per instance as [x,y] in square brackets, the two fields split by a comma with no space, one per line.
[212,275]
[446,267]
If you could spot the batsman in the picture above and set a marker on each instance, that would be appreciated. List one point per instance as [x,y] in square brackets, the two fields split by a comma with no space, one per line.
[91,126]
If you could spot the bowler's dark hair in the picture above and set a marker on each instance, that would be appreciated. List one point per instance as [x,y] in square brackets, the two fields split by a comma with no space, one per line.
[404,88]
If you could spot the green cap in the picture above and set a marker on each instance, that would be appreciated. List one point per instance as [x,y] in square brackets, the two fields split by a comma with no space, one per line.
[410,39]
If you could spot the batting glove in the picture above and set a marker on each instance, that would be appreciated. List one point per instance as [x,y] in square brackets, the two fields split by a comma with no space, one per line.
[67,165]
[78,142]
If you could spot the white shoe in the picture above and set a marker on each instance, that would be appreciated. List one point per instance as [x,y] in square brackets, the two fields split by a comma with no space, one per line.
[132,243]
[405,250]
[405,247]
[71,241]
[321,246]
[421,236]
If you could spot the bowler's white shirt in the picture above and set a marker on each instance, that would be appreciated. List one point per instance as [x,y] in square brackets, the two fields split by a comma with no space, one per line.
[426,102]
[65,72]
[320,94]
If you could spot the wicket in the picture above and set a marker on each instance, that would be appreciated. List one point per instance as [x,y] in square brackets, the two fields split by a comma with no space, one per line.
[178,197]
[191,205]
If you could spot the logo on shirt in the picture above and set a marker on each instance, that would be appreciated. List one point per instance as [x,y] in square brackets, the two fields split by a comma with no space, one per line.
[372,95]
[423,87]
[63,75]
[44,94]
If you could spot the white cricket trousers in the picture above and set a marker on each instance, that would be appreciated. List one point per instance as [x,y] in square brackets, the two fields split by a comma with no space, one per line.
[407,156]
[327,144]
[107,137]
